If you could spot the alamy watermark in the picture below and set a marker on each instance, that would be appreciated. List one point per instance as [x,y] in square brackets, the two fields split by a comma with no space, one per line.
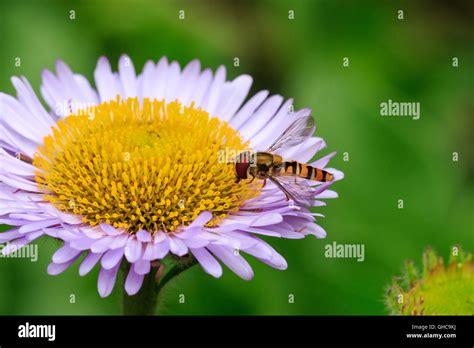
[394,108]
[69,107]
[228,155]
[28,330]
[345,251]
[29,251]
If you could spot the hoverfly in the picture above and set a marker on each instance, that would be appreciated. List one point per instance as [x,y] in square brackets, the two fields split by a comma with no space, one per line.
[288,175]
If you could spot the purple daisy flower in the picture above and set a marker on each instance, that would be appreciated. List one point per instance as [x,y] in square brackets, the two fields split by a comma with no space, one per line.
[130,171]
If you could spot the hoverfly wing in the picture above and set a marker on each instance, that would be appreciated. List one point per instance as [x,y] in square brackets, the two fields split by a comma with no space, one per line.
[296,189]
[298,131]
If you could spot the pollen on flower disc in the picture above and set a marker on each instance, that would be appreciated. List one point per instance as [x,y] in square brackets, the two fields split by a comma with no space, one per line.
[141,165]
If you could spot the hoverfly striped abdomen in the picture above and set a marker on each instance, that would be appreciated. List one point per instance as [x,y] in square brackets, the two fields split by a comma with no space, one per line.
[305,171]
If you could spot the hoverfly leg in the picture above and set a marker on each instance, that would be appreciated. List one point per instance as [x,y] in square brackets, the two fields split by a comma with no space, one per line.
[264,182]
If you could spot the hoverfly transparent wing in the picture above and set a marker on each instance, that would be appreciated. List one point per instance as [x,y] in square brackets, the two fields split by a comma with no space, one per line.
[296,189]
[298,131]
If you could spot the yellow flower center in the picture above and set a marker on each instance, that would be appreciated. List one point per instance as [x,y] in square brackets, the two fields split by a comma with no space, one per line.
[153,166]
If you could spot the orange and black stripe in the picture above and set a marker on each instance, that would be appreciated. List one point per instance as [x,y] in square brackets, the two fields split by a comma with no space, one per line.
[302,170]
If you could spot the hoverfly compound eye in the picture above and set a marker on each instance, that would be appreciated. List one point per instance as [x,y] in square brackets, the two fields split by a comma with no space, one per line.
[242,164]
[241,170]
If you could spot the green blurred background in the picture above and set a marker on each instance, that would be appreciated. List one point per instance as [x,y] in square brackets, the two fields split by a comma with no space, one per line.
[407,60]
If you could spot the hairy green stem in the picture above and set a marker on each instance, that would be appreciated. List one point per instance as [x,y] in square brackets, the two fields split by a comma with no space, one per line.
[146,300]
